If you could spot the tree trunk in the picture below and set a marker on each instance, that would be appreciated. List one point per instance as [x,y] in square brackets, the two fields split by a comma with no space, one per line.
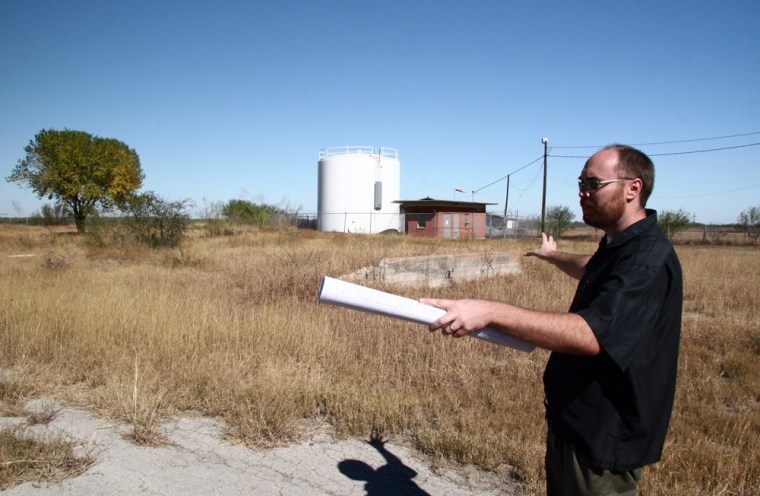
[79,220]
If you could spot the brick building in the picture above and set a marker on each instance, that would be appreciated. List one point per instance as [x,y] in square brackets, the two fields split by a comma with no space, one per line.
[444,219]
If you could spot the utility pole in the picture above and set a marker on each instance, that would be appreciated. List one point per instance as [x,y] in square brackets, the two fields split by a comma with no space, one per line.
[545,141]
[506,203]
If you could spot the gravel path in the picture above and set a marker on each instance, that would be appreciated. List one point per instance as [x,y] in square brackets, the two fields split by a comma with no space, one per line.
[199,461]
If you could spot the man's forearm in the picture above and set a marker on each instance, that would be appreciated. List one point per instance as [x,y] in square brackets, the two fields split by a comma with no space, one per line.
[569,263]
[563,332]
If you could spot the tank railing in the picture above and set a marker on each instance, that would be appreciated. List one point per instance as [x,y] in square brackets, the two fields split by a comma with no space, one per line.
[358,150]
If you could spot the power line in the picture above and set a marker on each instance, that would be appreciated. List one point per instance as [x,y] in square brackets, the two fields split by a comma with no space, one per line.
[532,182]
[704,151]
[673,153]
[668,142]
[707,194]
[513,172]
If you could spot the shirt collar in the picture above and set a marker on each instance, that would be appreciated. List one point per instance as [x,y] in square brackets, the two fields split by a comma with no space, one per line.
[635,229]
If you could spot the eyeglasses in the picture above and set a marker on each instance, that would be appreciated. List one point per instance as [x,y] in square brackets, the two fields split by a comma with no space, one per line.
[592,185]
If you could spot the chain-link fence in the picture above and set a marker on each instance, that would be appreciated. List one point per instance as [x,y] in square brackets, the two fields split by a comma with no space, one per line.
[529,226]
[372,222]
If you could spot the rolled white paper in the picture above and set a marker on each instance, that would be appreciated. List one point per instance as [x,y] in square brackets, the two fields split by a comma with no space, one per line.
[357,297]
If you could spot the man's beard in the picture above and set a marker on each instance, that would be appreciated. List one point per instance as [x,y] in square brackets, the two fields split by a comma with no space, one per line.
[605,216]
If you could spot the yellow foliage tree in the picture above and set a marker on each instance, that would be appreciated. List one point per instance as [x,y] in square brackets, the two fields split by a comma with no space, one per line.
[79,169]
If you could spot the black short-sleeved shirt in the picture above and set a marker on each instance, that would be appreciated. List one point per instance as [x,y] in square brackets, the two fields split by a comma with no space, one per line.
[614,408]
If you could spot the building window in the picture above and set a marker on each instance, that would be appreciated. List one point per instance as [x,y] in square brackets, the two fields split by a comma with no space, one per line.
[422,220]
[466,221]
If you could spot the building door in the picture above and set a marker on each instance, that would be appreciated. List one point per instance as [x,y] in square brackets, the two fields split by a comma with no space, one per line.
[450,226]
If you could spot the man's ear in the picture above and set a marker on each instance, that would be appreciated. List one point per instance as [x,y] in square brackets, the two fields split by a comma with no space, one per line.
[634,189]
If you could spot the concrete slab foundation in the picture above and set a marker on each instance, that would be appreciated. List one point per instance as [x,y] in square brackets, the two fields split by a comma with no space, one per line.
[439,270]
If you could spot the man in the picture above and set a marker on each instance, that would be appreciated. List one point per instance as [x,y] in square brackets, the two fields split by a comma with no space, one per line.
[610,380]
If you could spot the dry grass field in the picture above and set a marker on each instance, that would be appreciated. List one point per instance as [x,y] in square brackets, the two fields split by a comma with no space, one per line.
[230,326]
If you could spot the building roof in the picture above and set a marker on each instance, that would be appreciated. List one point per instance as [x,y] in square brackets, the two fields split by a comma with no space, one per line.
[427,201]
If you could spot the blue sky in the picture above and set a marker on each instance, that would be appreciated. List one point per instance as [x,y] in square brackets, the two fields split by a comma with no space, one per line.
[234,99]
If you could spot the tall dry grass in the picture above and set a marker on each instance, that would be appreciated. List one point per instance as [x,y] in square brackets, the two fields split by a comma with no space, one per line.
[230,326]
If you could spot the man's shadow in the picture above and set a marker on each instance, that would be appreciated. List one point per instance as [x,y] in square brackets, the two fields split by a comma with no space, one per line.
[392,479]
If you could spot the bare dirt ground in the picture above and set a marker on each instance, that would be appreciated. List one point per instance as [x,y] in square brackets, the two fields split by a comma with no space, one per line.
[197,459]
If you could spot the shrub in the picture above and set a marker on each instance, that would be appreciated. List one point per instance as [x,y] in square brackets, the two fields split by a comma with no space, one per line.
[156,222]
[749,222]
[57,214]
[673,222]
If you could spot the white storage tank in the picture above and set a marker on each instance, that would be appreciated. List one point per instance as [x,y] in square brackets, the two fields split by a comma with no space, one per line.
[357,188]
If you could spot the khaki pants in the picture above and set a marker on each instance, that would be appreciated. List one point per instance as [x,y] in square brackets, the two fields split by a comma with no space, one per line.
[568,474]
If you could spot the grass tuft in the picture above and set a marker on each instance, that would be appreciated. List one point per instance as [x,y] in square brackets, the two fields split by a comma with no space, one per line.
[24,459]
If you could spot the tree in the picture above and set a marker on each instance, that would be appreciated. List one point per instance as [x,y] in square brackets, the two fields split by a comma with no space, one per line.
[559,219]
[79,169]
[749,222]
[673,222]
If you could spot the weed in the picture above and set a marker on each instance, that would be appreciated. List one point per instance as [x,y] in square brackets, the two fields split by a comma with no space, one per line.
[55,261]
[183,257]
[755,340]
[11,398]
[26,459]
[42,416]
[143,412]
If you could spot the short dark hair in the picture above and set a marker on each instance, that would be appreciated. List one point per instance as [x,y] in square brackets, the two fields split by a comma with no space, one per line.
[633,163]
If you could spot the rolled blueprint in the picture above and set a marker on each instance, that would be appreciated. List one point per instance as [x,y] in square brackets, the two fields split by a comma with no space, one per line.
[349,295]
